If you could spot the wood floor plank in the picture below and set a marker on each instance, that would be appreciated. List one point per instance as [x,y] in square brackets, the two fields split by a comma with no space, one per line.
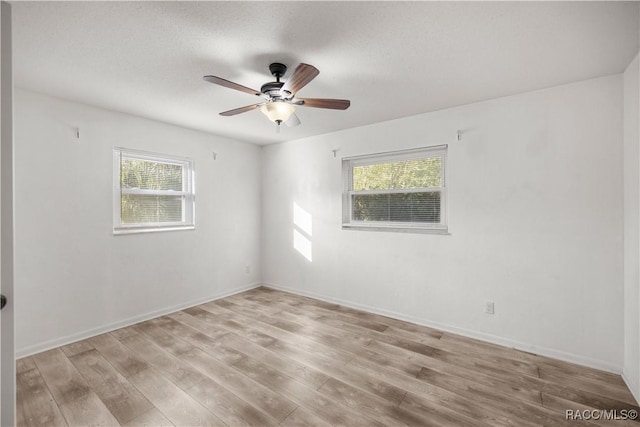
[317,313]
[219,318]
[231,409]
[416,365]
[123,333]
[491,398]
[63,379]
[265,335]
[515,386]
[341,339]
[328,409]
[76,348]
[513,359]
[322,308]
[125,361]
[175,404]
[361,379]
[338,329]
[487,364]
[243,345]
[211,330]
[473,344]
[87,410]
[385,411]
[230,378]
[123,400]
[151,418]
[345,374]
[177,371]
[302,417]
[544,365]
[163,338]
[593,400]
[438,378]
[268,358]
[242,299]
[25,364]
[207,343]
[34,404]
[406,370]
[446,391]
[303,373]
[78,403]
[237,382]
[436,400]
[552,365]
[421,334]
[434,348]
[588,383]
[430,346]
[316,358]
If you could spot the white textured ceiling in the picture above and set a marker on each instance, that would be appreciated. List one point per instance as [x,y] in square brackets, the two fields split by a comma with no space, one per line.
[391,59]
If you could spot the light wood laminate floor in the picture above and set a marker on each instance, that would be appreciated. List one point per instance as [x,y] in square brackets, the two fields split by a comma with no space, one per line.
[268,358]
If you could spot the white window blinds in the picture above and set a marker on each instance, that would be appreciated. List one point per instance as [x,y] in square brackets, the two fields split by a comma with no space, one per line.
[396,190]
[152,192]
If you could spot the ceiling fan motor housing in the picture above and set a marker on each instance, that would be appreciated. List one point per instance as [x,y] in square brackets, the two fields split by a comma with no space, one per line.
[272,89]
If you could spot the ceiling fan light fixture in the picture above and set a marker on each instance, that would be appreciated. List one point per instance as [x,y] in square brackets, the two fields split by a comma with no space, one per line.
[278,111]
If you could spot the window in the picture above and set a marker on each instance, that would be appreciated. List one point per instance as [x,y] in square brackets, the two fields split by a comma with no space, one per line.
[152,192]
[403,190]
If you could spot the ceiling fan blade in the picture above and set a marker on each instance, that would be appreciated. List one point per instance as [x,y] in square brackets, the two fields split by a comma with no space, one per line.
[301,76]
[241,110]
[293,121]
[231,85]
[334,104]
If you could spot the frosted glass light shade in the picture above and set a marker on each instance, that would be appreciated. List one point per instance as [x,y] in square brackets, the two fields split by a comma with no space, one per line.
[278,111]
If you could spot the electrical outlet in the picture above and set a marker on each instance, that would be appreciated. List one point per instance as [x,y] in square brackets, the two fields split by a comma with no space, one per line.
[247,269]
[488,307]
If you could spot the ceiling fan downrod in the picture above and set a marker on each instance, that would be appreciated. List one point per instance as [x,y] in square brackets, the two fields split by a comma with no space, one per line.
[277,70]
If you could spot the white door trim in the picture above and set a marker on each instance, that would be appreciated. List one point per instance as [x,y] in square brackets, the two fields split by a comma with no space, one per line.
[7,353]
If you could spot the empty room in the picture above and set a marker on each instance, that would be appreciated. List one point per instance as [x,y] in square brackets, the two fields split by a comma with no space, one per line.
[312,213]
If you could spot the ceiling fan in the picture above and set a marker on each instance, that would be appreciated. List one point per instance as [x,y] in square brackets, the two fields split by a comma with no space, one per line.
[280,97]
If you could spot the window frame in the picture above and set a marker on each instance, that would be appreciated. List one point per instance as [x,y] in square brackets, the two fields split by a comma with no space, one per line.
[188,192]
[377,158]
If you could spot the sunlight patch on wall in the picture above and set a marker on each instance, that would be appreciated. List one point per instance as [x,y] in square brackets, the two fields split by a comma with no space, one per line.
[302,219]
[302,231]
[302,244]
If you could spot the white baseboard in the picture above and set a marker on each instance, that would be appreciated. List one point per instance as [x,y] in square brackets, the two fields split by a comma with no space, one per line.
[631,385]
[493,339]
[57,342]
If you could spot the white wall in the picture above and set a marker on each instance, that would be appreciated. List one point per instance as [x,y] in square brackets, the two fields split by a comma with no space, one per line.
[632,228]
[73,276]
[536,222]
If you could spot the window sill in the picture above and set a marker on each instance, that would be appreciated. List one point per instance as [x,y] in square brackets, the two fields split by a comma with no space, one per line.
[396,229]
[138,230]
